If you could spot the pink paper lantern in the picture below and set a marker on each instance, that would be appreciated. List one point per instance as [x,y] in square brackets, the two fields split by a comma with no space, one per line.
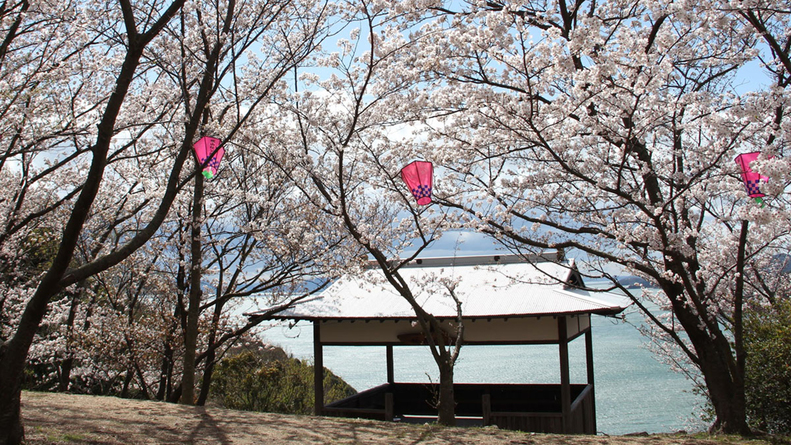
[418,177]
[751,179]
[203,149]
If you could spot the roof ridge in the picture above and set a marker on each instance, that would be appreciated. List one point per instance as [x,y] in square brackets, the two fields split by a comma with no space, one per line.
[481,260]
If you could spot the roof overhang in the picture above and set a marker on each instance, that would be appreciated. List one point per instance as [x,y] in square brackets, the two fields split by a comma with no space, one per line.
[504,299]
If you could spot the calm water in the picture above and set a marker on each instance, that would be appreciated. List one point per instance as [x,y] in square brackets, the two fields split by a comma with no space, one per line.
[634,392]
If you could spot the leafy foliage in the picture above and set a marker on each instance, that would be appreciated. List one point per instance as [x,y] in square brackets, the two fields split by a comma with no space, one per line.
[768,367]
[268,380]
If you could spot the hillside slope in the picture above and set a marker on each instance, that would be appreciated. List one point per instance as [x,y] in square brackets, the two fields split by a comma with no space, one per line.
[79,419]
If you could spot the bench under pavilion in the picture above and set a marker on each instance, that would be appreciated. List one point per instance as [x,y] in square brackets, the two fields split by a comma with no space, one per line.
[506,300]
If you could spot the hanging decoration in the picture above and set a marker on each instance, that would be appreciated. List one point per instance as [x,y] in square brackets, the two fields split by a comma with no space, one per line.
[418,176]
[752,180]
[203,149]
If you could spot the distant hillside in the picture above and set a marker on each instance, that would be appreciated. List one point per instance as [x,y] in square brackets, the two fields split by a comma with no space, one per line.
[633,282]
[782,263]
[269,380]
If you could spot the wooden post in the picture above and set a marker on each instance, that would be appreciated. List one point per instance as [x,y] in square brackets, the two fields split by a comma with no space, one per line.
[390,372]
[486,408]
[589,362]
[389,407]
[318,370]
[565,386]
[389,402]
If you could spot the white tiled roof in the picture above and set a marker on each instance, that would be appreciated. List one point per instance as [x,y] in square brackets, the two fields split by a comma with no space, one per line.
[508,287]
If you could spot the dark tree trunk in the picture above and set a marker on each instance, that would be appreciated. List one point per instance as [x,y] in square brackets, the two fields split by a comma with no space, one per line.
[210,354]
[727,396]
[10,411]
[723,375]
[165,372]
[193,306]
[127,381]
[13,357]
[142,381]
[208,372]
[446,404]
[64,374]
[66,365]
[175,395]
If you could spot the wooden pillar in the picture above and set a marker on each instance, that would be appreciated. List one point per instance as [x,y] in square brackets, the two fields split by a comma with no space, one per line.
[389,407]
[589,362]
[390,372]
[565,384]
[389,400]
[318,370]
[589,355]
[486,408]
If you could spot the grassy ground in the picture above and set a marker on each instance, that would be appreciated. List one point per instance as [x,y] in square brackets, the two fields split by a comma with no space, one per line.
[77,419]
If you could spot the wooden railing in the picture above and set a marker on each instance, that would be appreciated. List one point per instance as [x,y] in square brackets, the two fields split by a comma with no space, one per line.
[534,408]
[580,421]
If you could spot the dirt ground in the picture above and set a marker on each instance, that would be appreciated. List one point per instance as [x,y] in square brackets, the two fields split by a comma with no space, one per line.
[78,419]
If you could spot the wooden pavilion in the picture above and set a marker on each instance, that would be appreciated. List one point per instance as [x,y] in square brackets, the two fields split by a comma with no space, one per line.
[506,299]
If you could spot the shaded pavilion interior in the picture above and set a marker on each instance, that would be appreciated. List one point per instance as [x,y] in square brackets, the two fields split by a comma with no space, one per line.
[506,300]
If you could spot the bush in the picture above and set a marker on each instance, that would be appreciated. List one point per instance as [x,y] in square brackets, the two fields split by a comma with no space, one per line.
[768,367]
[262,381]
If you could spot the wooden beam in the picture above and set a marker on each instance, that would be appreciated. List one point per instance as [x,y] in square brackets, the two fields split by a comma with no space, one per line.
[390,371]
[389,406]
[589,355]
[486,408]
[565,384]
[589,362]
[318,370]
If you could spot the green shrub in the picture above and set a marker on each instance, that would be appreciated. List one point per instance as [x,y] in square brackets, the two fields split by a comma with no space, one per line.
[768,367]
[258,381]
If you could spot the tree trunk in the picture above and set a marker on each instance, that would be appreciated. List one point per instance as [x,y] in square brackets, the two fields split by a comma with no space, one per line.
[174,397]
[446,406]
[193,308]
[166,371]
[127,381]
[10,411]
[64,374]
[13,358]
[65,366]
[208,371]
[726,392]
[723,377]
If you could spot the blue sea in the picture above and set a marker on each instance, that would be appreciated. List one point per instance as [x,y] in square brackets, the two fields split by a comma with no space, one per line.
[634,391]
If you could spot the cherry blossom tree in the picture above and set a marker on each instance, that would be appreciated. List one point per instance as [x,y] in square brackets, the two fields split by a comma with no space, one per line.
[89,87]
[262,239]
[127,337]
[286,32]
[610,129]
[258,239]
[344,145]
[123,25]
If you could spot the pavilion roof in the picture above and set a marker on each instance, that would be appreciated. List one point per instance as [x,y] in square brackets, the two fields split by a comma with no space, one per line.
[487,286]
